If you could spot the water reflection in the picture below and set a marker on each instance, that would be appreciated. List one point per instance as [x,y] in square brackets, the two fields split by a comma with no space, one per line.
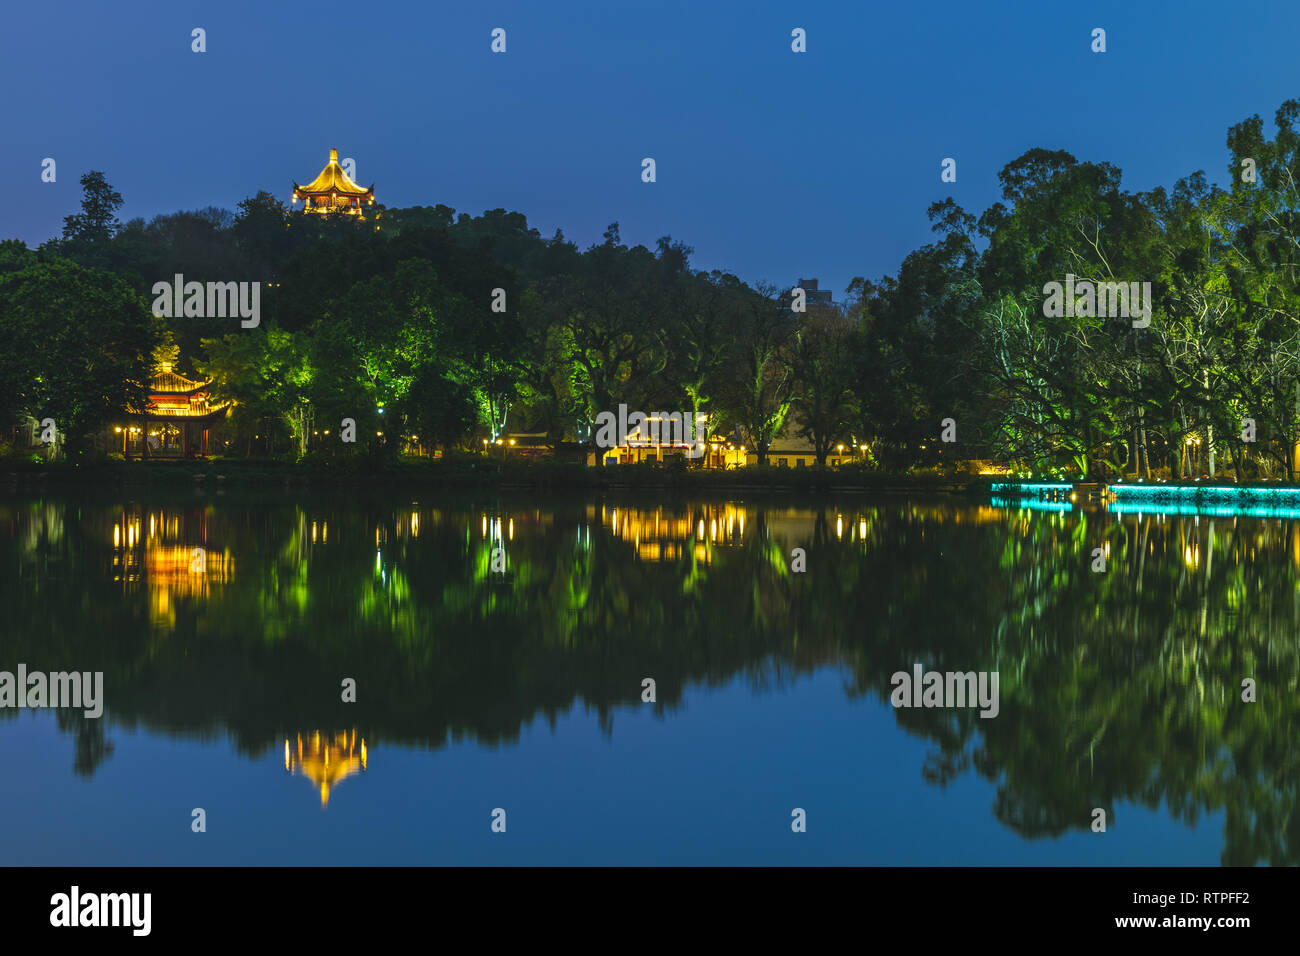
[1116,687]
[167,553]
[326,760]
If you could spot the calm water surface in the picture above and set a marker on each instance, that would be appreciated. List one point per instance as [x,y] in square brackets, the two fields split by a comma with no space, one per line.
[225,626]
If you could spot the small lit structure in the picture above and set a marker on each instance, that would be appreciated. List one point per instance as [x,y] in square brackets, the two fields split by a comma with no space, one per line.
[334,191]
[792,451]
[324,761]
[658,439]
[176,420]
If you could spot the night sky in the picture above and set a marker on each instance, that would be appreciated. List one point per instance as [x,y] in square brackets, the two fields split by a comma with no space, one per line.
[771,164]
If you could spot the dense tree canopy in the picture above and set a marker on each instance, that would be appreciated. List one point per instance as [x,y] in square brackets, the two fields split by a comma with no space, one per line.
[1177,352]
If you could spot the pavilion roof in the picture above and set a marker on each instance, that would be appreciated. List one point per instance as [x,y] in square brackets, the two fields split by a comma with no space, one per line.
[333,179]
[172,395]
[173,383]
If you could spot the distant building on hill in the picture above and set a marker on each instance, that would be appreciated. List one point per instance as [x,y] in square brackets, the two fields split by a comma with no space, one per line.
[334,191]
[814,295]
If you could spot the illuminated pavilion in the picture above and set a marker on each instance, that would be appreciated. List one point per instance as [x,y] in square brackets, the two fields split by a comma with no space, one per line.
[325,761]
[176,421]
[334,191]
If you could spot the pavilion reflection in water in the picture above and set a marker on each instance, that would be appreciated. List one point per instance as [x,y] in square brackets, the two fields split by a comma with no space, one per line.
[326,761]
[168,551]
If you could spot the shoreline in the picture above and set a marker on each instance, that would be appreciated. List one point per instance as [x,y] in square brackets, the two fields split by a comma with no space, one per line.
[468,474]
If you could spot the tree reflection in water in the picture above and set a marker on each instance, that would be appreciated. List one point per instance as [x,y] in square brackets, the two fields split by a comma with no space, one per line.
[1122,686]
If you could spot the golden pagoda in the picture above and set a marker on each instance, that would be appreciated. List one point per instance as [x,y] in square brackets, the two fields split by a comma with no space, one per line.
[176,419]
[326,762]
[334,191]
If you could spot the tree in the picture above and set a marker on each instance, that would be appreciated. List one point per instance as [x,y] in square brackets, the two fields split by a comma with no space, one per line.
[821,363]
[761,386]
[441,409]
[78,347]
[261,232]
[268,373]
[86,235]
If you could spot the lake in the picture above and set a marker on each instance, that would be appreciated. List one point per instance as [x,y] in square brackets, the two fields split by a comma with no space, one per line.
[229,629]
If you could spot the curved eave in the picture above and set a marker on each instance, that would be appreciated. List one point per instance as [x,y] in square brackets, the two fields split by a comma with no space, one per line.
[153,411]
[332,181]
[154,414]
[301,193]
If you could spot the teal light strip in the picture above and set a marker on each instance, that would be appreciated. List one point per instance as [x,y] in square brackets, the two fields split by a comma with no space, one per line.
[1008,488]
[1202,492]
[1205,510]
[1031,504]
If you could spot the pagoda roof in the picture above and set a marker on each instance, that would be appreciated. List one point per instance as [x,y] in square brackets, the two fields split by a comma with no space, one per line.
[172,395]
[168,382]
[333,179]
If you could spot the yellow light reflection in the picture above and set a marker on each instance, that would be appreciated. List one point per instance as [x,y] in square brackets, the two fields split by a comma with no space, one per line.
[327,762]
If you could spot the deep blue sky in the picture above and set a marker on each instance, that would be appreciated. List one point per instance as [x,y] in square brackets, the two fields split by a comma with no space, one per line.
[771,164]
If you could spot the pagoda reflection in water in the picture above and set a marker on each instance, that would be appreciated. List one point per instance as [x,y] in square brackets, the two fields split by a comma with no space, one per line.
[171,554]
[326,761]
